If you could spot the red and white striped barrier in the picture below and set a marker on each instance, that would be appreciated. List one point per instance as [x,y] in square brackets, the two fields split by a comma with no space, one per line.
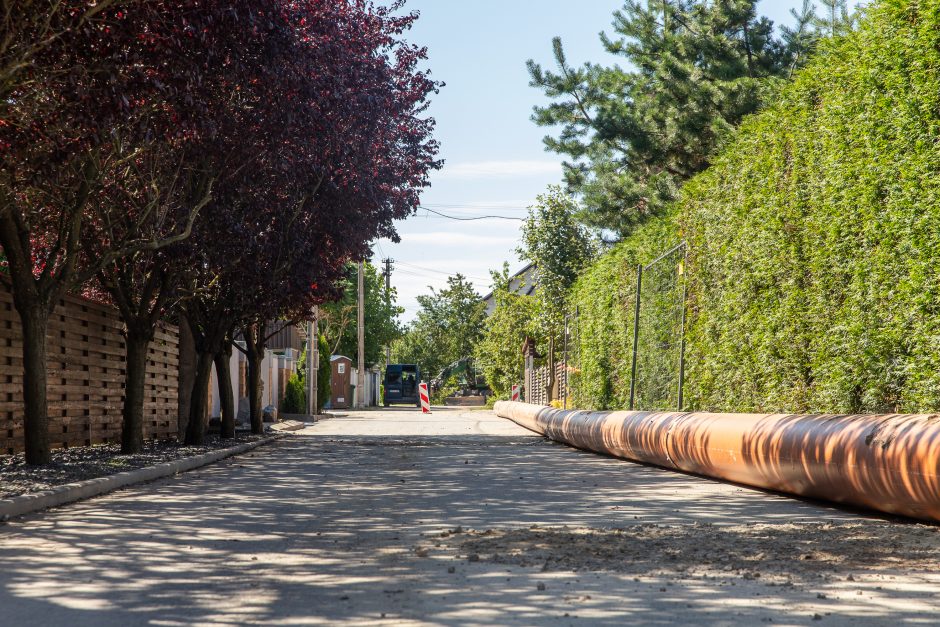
[425,399]
[515,394]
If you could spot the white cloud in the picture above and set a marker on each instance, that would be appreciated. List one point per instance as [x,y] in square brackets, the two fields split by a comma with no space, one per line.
[474,170]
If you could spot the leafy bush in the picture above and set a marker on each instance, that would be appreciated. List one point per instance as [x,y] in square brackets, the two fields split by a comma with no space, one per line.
[324,374]
[295,398]
[450,386]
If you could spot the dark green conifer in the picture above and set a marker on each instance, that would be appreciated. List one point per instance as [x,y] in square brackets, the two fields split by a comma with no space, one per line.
[633,133]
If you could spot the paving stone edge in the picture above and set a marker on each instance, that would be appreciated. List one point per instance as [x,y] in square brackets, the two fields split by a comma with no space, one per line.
[81,490]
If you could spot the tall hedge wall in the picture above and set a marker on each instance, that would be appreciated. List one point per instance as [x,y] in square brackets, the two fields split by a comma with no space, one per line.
[814,267]
[602,334]
[815,238]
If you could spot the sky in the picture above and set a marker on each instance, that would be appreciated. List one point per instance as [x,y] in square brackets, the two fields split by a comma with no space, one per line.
[494,158]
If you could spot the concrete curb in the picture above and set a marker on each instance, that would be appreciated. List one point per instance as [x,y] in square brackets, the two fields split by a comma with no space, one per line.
[288,425]
[71,492]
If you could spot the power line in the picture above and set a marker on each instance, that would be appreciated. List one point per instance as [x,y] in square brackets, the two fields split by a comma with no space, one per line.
[432,277]
[470,206]
[411,265]
[469,219]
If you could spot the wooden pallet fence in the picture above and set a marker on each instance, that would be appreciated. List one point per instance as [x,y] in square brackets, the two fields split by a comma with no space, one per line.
[85,376]
[537,384]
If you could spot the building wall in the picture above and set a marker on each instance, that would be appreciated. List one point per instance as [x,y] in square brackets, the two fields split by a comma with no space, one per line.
[276,369]
[373,381]
[85,376]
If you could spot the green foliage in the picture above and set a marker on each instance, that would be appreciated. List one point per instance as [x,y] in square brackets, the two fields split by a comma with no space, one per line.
[836,19]
[450,386]
[814,283]
[295,398]
[381,317]
[446,328]
[560,248]
[324,373]
[634,136]
[499,353]
[602,332]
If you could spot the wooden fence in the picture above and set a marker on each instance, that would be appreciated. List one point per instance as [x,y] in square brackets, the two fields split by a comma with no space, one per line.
[85,353]
[536,384]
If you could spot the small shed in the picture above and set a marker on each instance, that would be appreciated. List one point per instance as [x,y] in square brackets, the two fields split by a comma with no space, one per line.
[340,382]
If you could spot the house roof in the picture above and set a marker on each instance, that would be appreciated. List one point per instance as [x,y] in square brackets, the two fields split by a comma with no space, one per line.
[518,284]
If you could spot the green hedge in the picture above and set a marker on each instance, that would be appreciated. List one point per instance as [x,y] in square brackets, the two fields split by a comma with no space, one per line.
[602,333]
[815,236]
[813,272]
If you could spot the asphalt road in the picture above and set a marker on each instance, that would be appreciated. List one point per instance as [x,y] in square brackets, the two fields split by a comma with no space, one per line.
[458,518]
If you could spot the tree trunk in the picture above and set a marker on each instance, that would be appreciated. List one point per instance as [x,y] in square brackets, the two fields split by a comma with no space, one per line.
[137,346]
[35,321]
[187,376]
[254,392]
[254,350]
[198,410]
[226,394]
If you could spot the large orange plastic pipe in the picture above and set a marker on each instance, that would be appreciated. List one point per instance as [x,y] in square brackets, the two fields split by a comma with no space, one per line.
[886,462]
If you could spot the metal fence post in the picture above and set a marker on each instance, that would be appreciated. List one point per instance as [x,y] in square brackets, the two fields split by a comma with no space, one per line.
[564,389]
[636,334]
[685,287]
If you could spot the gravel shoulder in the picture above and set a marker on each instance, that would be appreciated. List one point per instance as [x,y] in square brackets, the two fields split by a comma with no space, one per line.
[92,462]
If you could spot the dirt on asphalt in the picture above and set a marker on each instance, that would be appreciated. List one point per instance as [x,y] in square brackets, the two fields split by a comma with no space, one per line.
[775,553]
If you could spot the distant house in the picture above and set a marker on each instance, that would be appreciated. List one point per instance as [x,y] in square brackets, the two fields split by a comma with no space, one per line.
[282,336]
[522,282]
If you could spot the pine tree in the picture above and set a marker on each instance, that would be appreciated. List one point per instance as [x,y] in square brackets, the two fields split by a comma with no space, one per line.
[634,133]
[836,18]
[801,38]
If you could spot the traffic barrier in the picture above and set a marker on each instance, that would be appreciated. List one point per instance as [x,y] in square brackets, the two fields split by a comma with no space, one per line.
[515,394]
[425,399]
[889,462]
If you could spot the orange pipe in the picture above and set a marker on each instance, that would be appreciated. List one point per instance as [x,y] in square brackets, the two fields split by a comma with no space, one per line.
[886,462]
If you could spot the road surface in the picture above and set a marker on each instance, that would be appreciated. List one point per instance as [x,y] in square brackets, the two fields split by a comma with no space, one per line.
[458,518]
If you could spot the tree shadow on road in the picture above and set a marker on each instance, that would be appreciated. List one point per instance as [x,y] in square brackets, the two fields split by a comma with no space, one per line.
[319,531]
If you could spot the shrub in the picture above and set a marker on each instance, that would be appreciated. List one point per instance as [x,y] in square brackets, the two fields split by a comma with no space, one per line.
[602,334]
[295,398]
[449,386]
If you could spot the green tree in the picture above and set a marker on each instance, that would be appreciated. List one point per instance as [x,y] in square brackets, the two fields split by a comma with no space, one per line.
[836,19]
[381,317]
[560,247]
[446,329]
[498,354]
[633,136]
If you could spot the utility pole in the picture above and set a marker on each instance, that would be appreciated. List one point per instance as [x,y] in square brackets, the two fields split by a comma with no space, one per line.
[361,370]
[388,301]
[313,361]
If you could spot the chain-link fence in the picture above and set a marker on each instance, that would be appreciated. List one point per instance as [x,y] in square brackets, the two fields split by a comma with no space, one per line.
[659,333]
[658,341]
